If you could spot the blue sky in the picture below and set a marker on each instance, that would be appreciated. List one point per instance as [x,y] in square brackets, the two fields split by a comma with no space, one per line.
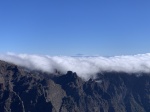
[70,27]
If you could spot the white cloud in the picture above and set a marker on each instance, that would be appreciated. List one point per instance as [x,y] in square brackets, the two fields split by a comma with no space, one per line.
[85,67]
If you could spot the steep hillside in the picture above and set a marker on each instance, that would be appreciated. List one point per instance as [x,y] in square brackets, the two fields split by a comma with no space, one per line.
[22,90]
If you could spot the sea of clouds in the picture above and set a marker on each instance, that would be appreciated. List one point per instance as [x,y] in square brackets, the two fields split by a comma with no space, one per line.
[84,66]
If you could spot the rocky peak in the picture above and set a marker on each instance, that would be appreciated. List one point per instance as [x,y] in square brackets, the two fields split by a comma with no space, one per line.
[23,90]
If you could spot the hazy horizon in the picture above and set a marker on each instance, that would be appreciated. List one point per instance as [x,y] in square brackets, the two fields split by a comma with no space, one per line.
[85,66]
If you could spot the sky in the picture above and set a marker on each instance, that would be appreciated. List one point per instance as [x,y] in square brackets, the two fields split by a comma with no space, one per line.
[73,27]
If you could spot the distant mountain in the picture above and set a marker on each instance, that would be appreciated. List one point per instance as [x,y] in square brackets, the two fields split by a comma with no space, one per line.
[22,90]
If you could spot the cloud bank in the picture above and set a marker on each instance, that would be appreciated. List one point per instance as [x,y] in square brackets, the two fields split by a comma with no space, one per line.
[85,67]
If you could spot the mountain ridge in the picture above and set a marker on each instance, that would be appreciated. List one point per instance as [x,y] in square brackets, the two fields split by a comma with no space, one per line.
[23,90]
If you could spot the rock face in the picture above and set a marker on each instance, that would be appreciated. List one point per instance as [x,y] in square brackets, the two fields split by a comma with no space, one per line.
[22,90]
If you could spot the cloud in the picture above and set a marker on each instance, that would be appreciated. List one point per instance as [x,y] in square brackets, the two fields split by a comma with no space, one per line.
[85,67]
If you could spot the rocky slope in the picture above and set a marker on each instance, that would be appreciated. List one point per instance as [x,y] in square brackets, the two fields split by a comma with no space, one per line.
[22,90]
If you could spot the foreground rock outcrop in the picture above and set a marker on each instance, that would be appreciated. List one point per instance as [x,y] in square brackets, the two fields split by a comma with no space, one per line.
[22,90]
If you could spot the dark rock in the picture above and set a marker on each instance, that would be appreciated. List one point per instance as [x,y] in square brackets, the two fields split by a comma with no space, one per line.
[22,90]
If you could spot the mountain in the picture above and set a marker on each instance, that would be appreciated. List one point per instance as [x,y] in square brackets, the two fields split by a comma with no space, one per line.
[23,90]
